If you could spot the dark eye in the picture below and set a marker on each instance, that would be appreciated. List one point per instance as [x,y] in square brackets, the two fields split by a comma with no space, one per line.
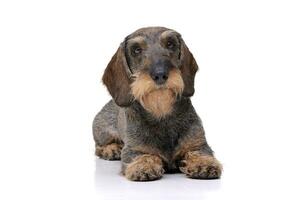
[136,50]
[171,44]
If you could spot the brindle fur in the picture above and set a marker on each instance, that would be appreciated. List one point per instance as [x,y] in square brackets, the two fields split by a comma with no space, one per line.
[152,145]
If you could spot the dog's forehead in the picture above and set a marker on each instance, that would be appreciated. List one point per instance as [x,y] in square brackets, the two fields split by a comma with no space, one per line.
[149,33]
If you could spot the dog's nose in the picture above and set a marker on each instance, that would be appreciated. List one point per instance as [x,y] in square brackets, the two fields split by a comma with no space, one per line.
[159,74]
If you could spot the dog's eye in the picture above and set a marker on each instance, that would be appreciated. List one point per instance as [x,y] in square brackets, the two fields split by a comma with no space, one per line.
[136,50]
[171,44]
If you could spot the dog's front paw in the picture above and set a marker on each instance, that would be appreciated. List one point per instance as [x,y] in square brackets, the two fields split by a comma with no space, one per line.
[144,168]
[196,165]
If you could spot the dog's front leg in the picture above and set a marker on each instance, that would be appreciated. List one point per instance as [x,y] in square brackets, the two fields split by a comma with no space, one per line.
[138,166]
[196,164]
[196,158]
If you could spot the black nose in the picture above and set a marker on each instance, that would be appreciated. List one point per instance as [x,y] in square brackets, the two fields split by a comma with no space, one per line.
[159,74]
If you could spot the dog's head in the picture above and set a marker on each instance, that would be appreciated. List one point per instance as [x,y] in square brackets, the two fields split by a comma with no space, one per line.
[153,66]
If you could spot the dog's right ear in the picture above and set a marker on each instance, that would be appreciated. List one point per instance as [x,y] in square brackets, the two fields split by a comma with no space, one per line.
[116,78]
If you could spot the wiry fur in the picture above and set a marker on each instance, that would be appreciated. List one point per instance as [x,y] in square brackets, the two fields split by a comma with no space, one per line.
[110,151]
[153,128]
[157,99]
[197,165]
[144,168]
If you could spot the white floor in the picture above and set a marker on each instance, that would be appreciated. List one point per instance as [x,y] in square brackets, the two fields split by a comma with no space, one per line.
[237,183]
[111,185]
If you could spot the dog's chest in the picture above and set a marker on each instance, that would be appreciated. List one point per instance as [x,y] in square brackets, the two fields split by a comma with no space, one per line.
[165,139]
[158,137]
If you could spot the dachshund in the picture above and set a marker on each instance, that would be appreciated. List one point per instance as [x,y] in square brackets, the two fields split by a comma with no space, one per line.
[150,124]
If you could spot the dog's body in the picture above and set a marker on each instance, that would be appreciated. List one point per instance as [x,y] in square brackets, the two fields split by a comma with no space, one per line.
[151,124]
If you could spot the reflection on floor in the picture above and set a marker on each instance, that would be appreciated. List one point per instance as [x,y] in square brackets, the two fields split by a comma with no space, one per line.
[110,184]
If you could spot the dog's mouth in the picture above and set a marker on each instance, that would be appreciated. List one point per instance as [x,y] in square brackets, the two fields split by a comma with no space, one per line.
[158,99]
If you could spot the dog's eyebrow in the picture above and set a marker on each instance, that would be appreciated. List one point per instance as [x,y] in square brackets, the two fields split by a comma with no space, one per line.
[137,39]
[169,33]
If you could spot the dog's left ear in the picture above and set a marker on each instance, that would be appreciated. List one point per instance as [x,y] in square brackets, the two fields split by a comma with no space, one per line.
[188,69]
[116,78]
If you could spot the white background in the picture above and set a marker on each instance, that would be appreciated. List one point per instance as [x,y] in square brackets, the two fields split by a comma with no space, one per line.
[53,54]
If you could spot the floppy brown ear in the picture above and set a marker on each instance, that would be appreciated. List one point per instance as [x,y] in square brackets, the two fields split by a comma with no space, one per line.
[116,78]
[188,70]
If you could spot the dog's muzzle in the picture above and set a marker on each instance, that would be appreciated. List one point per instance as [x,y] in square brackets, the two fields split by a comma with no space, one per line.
[159,72]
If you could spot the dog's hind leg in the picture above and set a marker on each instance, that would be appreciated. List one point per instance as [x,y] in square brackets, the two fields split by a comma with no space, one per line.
[105,132]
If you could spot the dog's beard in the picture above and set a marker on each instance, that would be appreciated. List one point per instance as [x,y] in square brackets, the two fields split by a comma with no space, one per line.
[157,99]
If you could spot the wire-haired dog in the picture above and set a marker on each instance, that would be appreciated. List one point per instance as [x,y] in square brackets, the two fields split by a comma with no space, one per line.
[151,124]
